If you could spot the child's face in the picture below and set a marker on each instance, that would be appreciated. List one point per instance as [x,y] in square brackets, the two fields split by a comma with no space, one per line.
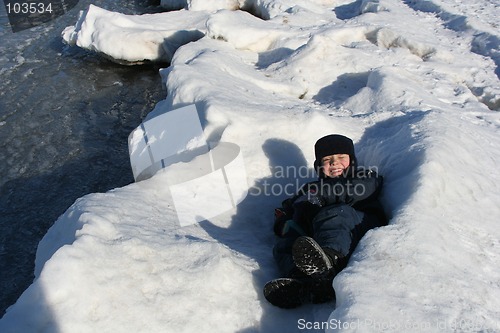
[334,165]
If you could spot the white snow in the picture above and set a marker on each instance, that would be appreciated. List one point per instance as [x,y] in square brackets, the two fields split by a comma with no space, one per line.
[415,90]
[134,38]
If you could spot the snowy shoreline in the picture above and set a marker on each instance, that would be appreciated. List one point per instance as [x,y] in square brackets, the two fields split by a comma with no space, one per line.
[418,98]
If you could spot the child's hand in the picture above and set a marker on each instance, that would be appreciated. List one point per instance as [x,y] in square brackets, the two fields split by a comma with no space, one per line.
[280,218]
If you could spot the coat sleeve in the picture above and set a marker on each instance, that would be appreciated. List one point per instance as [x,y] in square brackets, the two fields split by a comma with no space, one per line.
[286,212]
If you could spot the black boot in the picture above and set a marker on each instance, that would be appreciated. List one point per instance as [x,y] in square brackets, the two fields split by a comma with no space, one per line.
[322,289]
[313,260]
[289,293]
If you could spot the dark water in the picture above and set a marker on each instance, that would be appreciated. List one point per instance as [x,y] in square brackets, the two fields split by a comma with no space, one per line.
[65,115]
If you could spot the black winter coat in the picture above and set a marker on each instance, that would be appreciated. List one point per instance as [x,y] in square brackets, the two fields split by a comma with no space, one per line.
[361,191]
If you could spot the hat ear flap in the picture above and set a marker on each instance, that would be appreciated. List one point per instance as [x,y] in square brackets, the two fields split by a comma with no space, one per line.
[319,169]
[353,165]
[354,161]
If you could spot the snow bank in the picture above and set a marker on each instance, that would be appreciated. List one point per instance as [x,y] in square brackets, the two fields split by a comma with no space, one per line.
[416,100]
[264,9]
[135,38]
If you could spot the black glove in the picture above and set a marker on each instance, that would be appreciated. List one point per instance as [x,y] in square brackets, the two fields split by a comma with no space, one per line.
[280,219]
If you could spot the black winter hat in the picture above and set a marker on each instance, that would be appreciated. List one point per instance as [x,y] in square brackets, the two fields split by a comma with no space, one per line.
[331,145]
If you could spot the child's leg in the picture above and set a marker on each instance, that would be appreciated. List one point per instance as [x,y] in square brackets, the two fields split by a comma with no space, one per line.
[335,227]
[282,252]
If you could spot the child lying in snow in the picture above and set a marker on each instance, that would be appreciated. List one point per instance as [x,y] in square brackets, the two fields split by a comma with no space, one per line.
[319,227]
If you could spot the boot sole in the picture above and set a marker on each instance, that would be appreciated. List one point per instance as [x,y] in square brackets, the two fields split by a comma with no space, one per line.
[310,258]
[285,293]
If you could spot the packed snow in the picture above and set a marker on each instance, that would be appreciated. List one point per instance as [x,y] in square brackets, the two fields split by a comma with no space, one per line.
[414,83]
